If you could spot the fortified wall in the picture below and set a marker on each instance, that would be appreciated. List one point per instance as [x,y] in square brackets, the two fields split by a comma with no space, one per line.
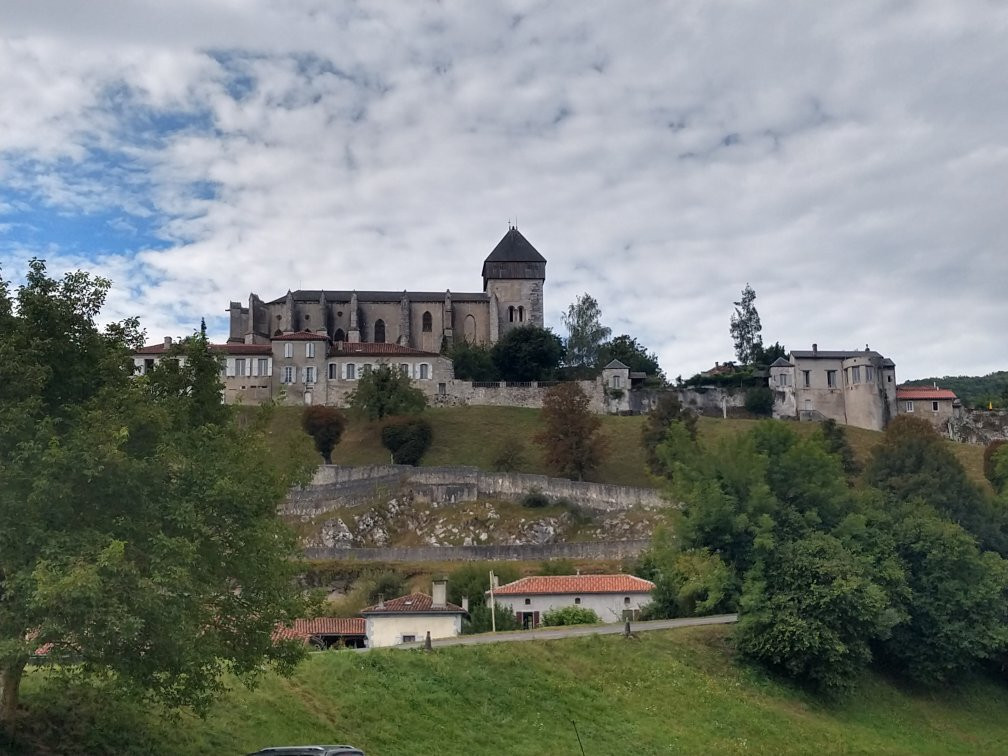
[447,485]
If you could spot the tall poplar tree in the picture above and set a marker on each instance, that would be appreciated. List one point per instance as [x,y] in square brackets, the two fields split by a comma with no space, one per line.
[746,328]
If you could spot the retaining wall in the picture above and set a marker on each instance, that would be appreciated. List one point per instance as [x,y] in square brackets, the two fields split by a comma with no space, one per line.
[527,552]
[445,485]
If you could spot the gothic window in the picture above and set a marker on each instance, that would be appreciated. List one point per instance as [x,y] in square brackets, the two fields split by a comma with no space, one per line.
[521,314]
[339,335]
[379,332]
[428,323]
[511,314]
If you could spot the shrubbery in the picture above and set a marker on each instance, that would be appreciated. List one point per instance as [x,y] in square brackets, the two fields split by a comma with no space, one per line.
[759,400]
[407,440]
[570,615]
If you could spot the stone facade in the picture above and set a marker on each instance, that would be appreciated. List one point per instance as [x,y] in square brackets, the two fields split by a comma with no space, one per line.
[851,387]
[940,407]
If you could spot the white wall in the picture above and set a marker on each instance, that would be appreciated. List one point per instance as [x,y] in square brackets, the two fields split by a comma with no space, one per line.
[608,606]
[388,629]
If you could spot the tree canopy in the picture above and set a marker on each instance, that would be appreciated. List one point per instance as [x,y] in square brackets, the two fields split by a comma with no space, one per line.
[384,391]
[138,532]
[573,445]
[528,353]
[746,328]
[634,355]
[586,333]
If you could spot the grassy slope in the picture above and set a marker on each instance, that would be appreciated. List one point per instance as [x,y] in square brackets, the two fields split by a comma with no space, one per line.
[671,692]
[473,436]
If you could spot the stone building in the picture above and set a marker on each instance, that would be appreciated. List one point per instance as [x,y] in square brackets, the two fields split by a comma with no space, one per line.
[940,407]
[851,387]
[513,277]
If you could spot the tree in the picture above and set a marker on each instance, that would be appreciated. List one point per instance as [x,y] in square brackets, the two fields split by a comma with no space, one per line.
[759,400]
[481,621]
[668,410]
[325,425]
[138,535]
[528,353]
[834,438]
[689,584]
[768,355]
[473,362]
[571,439]
[385,391]
[996,470]
[632,354]
[407,441]
[472,581]
[811,609]
[746,328]
[585,332]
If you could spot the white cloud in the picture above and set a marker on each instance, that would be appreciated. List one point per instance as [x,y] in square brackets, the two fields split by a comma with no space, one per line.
[849,160]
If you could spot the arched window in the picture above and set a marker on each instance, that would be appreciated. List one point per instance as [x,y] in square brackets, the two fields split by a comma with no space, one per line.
[521,314]
[428,323]
[339,335]
[510,314]
[469,329]
[379,332]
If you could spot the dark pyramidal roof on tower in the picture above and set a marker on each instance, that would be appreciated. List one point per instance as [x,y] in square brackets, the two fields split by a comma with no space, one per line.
[512,257]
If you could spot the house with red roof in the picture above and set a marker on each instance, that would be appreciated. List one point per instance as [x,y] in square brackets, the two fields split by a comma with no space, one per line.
[936,405]
[410,618]
[325,632]
[613,598]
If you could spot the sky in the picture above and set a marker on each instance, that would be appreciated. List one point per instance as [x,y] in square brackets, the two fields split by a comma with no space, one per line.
[848,160]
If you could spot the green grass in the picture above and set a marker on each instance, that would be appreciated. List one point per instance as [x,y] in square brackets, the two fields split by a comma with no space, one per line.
[474,435]
[670,692]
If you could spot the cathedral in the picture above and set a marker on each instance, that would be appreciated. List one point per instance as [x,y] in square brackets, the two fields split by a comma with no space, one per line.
[513,277]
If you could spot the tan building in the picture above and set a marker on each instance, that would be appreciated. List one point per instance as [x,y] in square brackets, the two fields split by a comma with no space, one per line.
[408,619]
[938,406]
[851,387]
[513,276]
[613,598]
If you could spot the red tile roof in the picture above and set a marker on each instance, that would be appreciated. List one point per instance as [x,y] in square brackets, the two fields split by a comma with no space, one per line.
[301,336]
[419,603]
[366,348]
[553,584]
[225,348]
[924,392]
[304,629]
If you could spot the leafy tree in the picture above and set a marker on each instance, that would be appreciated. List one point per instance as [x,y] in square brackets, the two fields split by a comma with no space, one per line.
[746,328]
[585,332]
[408,441]
[385,391]
[759,400]
[385,585]
[689,584]
[991,466]
[473,362]
[570,615]
[810,608]
[956,603]
[914,463]
[472,580]
[190,374]
[769,355]
[529,353]
[834,439]
[667,411]
[325,425]
[481,621]
[138,532]
[632,354]
[573,445]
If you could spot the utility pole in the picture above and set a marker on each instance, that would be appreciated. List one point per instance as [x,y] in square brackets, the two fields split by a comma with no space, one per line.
[493,606]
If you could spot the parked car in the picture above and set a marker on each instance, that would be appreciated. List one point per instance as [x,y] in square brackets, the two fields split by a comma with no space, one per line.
[310,750]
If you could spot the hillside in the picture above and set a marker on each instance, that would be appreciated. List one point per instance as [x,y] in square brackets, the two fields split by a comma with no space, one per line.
[474,435]
[973,390]
[675,691]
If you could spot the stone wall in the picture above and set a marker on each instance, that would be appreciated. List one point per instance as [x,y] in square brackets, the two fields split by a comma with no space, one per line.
[457,484]
[526,552]
[509,394]
[978,426]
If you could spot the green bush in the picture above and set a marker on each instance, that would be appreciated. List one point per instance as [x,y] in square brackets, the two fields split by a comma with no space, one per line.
[570,615]
[991,466]
[759,400]
[407,441]
[480,621]
[535,499]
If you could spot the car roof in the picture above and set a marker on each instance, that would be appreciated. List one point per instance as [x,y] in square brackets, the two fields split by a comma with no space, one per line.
[309,750]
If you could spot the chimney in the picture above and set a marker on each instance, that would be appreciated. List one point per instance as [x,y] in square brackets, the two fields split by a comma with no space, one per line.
[167,341]
[465,603]
[440,594]
[815,349]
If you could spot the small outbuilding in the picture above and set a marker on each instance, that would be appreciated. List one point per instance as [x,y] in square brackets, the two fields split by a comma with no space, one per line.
[409,618]
[326,632]
[614,598]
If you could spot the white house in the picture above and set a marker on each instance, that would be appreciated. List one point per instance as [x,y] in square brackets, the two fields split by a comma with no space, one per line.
[612,597]
[409,618]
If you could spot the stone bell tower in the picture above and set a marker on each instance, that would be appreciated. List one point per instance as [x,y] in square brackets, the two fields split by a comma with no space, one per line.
[513,277]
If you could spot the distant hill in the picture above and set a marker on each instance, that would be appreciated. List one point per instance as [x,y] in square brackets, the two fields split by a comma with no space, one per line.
[973,391]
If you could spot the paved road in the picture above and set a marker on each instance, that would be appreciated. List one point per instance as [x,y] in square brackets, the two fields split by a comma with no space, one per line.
[574,631]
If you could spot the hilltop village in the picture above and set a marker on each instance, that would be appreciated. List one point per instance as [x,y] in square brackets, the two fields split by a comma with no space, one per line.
[311,346]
